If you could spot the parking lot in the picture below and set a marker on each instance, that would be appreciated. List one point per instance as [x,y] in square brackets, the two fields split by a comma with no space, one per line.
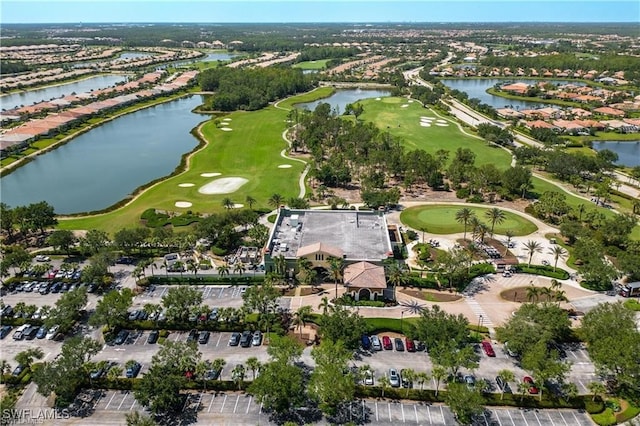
[239,408]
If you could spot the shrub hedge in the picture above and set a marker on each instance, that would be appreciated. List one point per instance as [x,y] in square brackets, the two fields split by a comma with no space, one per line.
[543,270]
[205,280]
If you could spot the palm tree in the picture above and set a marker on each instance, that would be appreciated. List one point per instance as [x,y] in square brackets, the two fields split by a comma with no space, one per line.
[421,378]
[532,247]
[596,388]
[560,296]
[114,372]
[218,364]
[5,367]
[25,358]
[523,388]
[227,203]
[558,253]
[301,316]
[276,201]
[480,231]
[250,200]
[336,268]
[556,285]
[254,365]
[238,374]
[438,373]
[324,305]
[495,215]
[533,293]
[396,276]
[223,270]
[546,294]
[506,376]
[384,384]
[464,216]
[165,266]
[409,375]
[510,234]
[239,268]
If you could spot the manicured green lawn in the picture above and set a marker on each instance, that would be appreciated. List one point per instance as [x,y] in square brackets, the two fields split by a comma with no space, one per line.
[312,65]
[441,219]
[404,122]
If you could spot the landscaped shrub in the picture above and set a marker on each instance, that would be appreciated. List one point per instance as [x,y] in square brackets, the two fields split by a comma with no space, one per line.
[481,269]
[543,270]
[462,193]
[632,305]
[350,301]
[206,280]
[594,407]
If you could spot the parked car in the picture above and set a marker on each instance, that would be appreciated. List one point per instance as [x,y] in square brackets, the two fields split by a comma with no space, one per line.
[18,333]
[122,337]
[368,378]
[31,332]
[406,383]
[44,288]
[533,390]
[420,346]
[133,370]
[51,334]
[97,373]
[409,344]
[394,378]
[204,337]
[7,311]
[376,345]
[234,340]
[133,315]
[508,351]
[245,339]
[4,331]
[28,287]
[42,258]
[487,348]
[214,314]
[366,342]
[18,370]
[386,343]
[212,374]
[257,338]
[153,337]
[193,335]
[470,381]
[41,333]
[399,345]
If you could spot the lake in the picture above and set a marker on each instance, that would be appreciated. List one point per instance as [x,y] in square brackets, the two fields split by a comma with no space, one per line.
[30,97]
[341,98]
[628,151]
[106,164]
[477,88]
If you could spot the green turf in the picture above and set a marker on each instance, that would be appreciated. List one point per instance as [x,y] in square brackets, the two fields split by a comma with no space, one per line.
[388,114]
[441,219]
[312,65]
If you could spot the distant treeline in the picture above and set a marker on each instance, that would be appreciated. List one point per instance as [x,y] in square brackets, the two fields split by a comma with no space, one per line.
[12,67]
[253,88]
[318,53]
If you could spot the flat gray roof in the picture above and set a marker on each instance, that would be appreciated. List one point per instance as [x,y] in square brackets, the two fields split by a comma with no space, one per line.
[360,235]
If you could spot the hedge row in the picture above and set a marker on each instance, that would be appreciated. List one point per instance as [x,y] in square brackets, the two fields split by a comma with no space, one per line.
[543,270]
[205,280]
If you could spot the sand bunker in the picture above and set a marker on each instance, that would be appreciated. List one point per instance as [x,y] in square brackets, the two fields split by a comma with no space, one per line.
[423,124]
[183,204]
[284,166]
[226,129]
[441,121]
[238,206]
[377,99]
[410,101]
[226,119]
[214,174]
[442,124]
[186,185]
[404,105]
[223,185]
[426,118]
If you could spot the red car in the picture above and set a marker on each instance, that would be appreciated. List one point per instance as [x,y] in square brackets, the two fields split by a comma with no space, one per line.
[487,348]
[409,345]
[532,389]
[386,343]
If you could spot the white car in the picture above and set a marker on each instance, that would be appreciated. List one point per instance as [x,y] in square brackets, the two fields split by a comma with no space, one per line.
[368,378]
[52,332]
[42,258]
[394,378]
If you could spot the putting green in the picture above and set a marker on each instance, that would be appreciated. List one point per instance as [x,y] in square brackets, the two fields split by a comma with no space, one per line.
[320,64]
[441,219]
[403,119]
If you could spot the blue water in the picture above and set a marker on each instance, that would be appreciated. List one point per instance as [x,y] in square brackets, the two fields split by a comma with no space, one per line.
[103,166]
[628,151]
[341,98]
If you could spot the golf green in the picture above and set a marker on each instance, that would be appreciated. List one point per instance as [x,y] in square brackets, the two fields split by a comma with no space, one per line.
[441,219]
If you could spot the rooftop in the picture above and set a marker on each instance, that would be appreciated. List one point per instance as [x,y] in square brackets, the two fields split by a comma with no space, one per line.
[360,235]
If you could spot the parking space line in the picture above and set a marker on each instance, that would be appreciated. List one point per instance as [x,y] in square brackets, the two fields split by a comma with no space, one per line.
[210,403]
[536,416]
[164,290]
[486,422]
[524,418]
[563,419]
[236,406]
[123,399]
[442,413]
[495,413]
[218,342]
[249,404]
[135,342]
[511,418]
[389,408]
[402,409]
[377,411]
[223,401]
[109,403]
[574,355]
[133,405]
[582,384]
[199,401]
[429,412]
[550,419]
[260,412]
[584,354]
[186,401]
[415,411]
[220,294]
[575,417]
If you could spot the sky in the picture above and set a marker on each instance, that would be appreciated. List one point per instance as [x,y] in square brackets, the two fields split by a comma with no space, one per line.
[229,11]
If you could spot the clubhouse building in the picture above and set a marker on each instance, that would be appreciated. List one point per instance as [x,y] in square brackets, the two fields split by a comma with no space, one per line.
[361,238]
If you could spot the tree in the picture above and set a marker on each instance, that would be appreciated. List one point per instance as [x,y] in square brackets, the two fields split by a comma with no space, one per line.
[341,324]
[409,375]
[238,374]
[396,275]
[262,298]
[533,294]
[40,216]
[523,388]
[384,384]
[613,343]
[301,316]
[26,357]
[275,201]
[67,309]
[254,365]
[495,215]
[506,376]
[422,377]
[218,364]
[597,389]
[532,247]
[250,201]
[227,203]
[136,419]
[558,253]
[465,403]
[336,269]
[62,239]
[439,373]
[178,300]
[464,216]
[329,385]
[112,309]
[545,364]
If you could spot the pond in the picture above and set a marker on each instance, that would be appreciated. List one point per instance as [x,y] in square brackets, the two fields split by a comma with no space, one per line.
[30,97]
[106,164]
[628,151]
[341,98]
[477,88]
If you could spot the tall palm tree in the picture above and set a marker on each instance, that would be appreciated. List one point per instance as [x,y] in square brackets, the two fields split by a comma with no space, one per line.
[546,294]
[556,285]
[480,230]
[301,316]
[421,378]
[227,203]
[223,269]
[523,388]
[409,375]
[276,201]
[510,234]
[495,215]
[384,384]
[280,264]
[336,269]
[558,253]
[218,364]
[533,294]
[532,247]
[464,216]
[254,365]
[250,200]
[324,305]
[238,374]
[560,296]
[396,276]
[438,373]
[239,268]
[506,376]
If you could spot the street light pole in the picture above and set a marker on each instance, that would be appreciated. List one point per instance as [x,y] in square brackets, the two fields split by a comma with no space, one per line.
[479,322]
[401,319]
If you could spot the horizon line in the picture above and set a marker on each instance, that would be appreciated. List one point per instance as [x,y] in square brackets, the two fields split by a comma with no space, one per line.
[318,22]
